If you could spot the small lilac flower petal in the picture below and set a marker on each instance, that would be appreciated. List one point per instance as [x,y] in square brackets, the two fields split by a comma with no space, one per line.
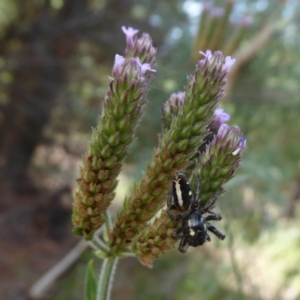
[130,33]
[223,130]
[241,146]
[118,64]
[146,67]
[220,116]
[208,54]
[229,62]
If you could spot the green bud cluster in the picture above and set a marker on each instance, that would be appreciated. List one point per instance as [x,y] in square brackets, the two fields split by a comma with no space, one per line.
[219,163]
[216,167]
[194,138]
[122,109]
[155,240]
[177,145]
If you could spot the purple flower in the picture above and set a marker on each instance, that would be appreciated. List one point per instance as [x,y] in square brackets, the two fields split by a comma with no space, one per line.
[144,67]
[223,130]
[241,146]
[130,33]
[208,54]
[118,65]
[229,62]
[232,134]
[220,116]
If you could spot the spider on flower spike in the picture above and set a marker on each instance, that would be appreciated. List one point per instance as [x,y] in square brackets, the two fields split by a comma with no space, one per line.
[195,226]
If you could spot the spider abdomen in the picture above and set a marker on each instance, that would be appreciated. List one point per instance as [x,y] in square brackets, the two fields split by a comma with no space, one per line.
[181,192]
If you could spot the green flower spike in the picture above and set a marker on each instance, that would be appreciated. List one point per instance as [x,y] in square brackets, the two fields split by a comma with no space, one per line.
[216,167]
[122,109]
[220,161]
[177,145]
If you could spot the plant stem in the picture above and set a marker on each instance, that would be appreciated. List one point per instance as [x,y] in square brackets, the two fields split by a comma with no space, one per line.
[97,244]
[106,278]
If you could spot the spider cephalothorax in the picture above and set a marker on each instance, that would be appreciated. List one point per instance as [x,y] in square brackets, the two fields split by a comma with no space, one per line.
[194,226]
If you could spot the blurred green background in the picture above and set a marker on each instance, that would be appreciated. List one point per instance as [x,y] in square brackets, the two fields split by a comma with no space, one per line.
[55,59]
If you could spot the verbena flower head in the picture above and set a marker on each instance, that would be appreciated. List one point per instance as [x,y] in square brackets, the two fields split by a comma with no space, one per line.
[215,58]
[123,105]
[139,47]
[131,67]
[180,140]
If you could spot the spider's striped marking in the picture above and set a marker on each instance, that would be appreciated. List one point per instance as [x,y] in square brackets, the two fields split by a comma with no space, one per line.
[182,194]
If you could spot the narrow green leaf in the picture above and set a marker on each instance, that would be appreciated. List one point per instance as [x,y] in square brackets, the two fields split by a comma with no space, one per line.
[90,282]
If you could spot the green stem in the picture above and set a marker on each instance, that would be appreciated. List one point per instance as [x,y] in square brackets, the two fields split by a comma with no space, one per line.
[106,278]
[99,245]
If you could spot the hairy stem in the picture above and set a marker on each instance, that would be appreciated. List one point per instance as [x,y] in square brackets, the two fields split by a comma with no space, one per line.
[106,278]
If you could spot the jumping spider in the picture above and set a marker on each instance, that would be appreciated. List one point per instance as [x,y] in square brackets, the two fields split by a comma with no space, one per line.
[194,227]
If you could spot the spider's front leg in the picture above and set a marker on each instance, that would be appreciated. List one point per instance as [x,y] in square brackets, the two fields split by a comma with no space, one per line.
[221,235]
[178,234]
[183,246]
[171,206]
[211,203]
[213,216]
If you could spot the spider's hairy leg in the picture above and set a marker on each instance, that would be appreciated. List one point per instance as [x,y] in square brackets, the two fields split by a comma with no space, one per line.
[178,234]
[213,216]
[208,237]
[183,215]
[211,203]
[171,206]
[221,235]
[196,200]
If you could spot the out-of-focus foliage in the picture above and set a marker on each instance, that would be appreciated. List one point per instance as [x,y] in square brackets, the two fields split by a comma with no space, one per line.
[260,257]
